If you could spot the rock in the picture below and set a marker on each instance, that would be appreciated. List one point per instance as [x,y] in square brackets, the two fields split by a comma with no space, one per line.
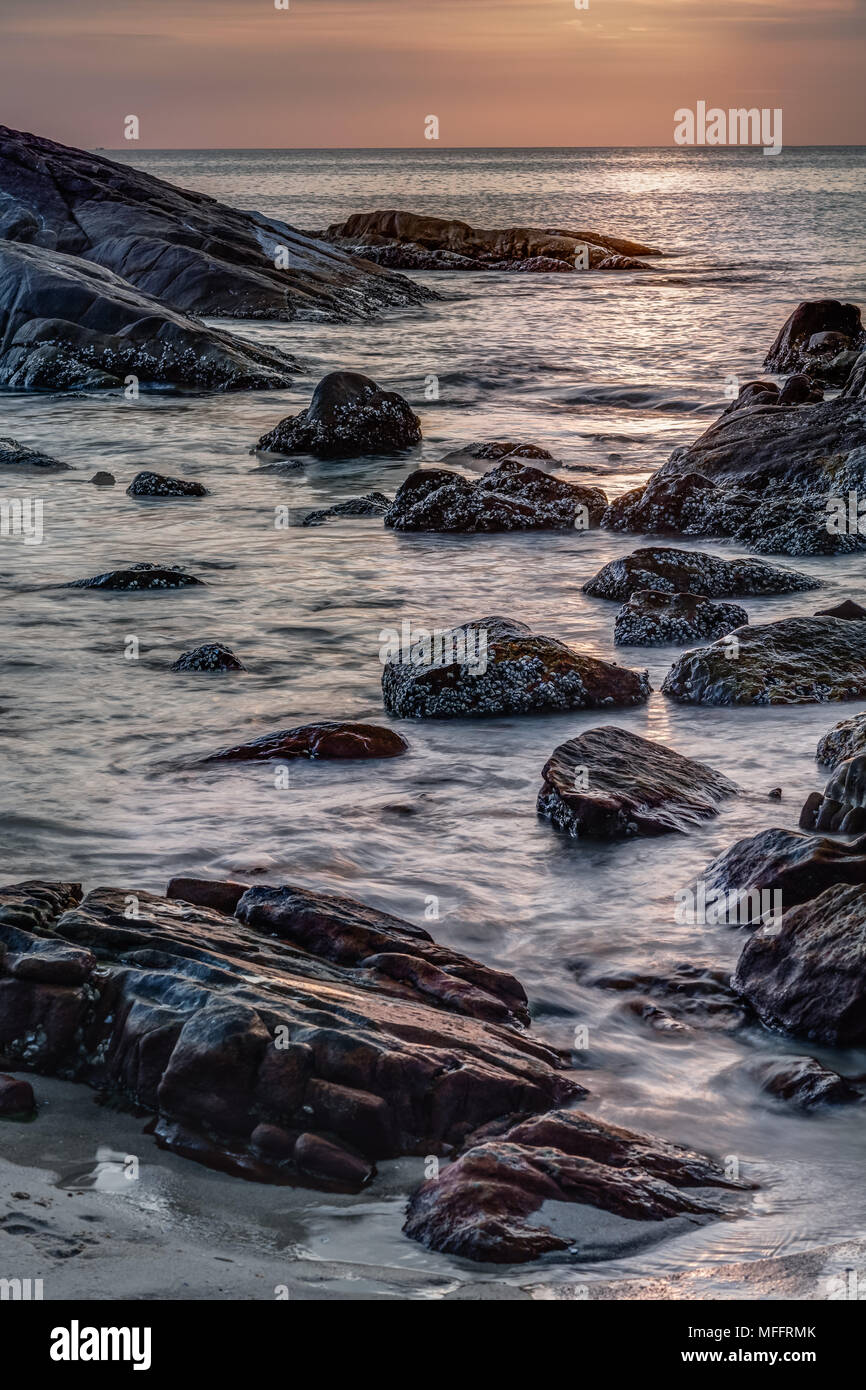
[371,504]
[508,248]
[330,738]
[102,479]
[212,657]
[482,1206]
[693,571]
[849,610]
[16,1096]
[68,325]
[793,662]
[842,808]
[349,415]
[813,335]
[797,867]
[651,617]
[184,248]
[844,740]
[220,894]
[692,996]
[155,485]
[500,449]
[15,455]
[135,578]
[285,1016]
[807,976]
[609,783]
[799,1081]
[775,794]
[494,667]
[322,1158]
[511,497]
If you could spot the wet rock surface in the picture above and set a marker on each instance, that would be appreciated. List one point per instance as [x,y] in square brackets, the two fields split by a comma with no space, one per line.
[156,485]
[652,617]
[136,578]
[610,783]
[349,415]
[307,1013]
[511,497]
[796,865]
[213,656]
[371,504]
[327,739]
[843,741]
[853,612]
[16,455]
[842,807]
[814,336]
[800,1081]
[677,999]
[494,667]
[484,1206]
[692,571]
[185,248]
[795,661]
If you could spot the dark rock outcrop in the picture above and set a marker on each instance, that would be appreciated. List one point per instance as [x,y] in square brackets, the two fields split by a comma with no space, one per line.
[67,324]
[693,571]
[348,415]
[495,666]
[799,1081]
[156,485]
[652,617]
[814,336]
[135,578]
[807,976]
[793,662]
[609,783]
[511,497]
[213,656]
[482,1207]
[843,741]
[15,455]
[842,807]
[371,504]
[327,739]
[307,1013]
[787,862]
[181,247]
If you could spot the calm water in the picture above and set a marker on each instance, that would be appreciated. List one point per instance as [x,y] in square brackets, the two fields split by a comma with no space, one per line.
[610,372]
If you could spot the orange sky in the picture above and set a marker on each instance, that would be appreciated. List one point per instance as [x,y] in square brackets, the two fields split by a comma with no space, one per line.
[339,73]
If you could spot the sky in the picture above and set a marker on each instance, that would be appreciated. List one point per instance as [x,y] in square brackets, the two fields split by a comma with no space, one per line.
[367,73]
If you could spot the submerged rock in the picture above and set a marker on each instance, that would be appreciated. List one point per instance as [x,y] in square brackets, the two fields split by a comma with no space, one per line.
[795,866]
[155,485]
[211,657]
[68,325]
[651,617]
[849,610]
[183,247]
[371,504]
[511,497]
[842,807]
[102,479]
[500,449]
[684,996]
[484,1206]
[307,1012]
[15,455]
[327,739]
[693,571]
[137,577]
[793,662]
[813,336]
[844,740]
[609,783]
[349,415]
[799,1081]
[495,666]
[807,976]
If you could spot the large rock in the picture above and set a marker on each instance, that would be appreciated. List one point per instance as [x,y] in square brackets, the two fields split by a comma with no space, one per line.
[495,666]
[511,497]
[795,866]
[813,336]
[306,1014]
[842,807]
[438,243]
[67,324]
[330,738]
[184,248]
[807,975]
[652,617]
[693,571]
[793,662]
[349,415]
[609,783]
[842,741]
[503,1199]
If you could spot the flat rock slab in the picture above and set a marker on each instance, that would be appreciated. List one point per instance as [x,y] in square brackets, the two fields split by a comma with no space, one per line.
[512,497]
[610,784]
[691,571]
[795,865]
[328,739]
[796,661]
[307,1013]
[807,975]
[481,1208]
[495,667]
[652,617]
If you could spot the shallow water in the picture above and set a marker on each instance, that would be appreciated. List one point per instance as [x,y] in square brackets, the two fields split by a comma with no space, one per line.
[588,366]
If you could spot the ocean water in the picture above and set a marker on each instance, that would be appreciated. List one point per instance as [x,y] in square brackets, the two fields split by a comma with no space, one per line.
[609,372]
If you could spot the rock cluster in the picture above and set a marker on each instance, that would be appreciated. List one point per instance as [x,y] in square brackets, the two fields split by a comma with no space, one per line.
[512,497]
